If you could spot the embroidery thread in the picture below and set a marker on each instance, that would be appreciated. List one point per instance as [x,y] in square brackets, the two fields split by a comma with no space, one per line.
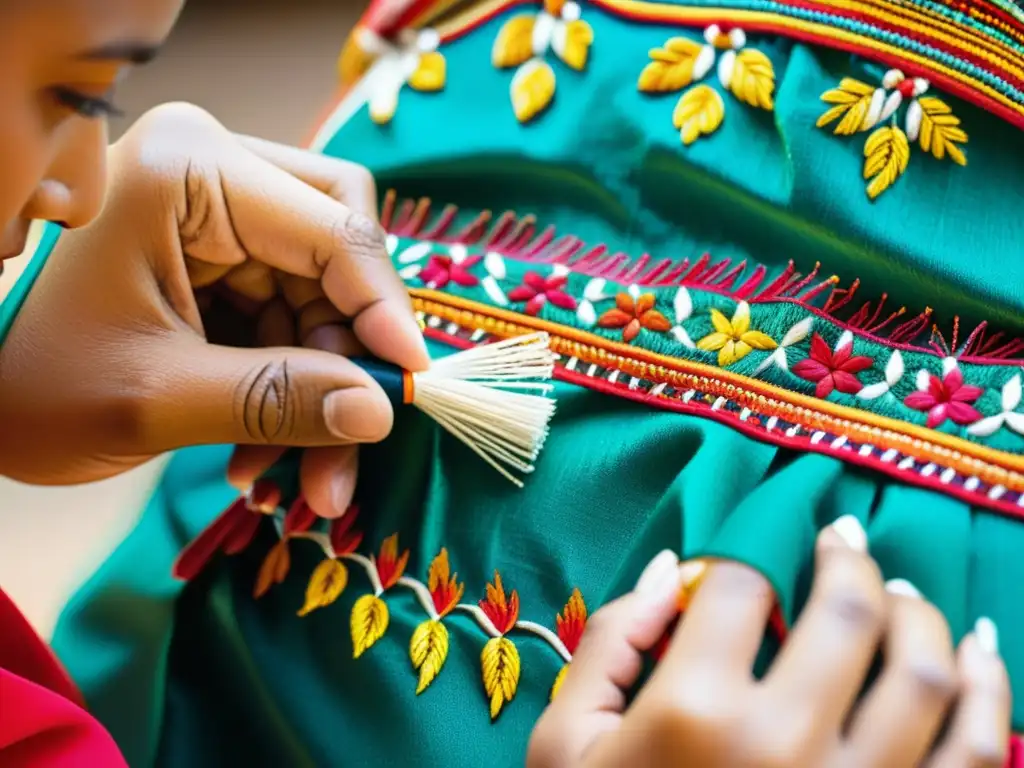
[745,72]
[858,107]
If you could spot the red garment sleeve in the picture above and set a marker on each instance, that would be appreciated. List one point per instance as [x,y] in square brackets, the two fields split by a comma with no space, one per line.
[42,722]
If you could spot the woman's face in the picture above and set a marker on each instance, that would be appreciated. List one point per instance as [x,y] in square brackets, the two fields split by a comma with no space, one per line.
[59,63]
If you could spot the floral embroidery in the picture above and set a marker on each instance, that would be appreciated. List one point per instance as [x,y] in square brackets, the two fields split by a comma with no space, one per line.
[894,370]
[299,518]
[833,370]
[746,72]
[631,315]
[570,624]
[523,42]
[370,616]
[330,578]
[414,61]
[733,339]
[500,658]
[928,120]
[441,269]
[428,648]
[536,291]
[945,398]
[796,334]
[1011,397]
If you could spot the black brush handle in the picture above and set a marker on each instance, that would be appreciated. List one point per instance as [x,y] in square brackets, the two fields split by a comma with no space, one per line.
[390,377]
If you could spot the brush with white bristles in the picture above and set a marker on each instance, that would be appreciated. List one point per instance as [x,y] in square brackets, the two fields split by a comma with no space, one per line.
[492,397]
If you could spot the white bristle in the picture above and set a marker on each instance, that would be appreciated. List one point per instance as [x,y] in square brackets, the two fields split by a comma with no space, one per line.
[493,399]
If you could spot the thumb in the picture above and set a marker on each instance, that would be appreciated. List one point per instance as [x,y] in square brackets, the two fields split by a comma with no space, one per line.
[267,396]
[607,663]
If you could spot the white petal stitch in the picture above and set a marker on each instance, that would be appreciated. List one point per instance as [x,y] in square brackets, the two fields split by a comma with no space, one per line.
[683,305]
[586,314]
[495,265]
[894,368]
[683,337]
[494,292]
[987,427]
[798,332]
[543,30]
[893,373]
[844,340]
[923,380]
[1012,394]
[414,253]
[726,65]
[594,290]
[1011,397]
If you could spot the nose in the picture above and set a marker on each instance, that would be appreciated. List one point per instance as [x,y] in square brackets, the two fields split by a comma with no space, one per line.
[72,190]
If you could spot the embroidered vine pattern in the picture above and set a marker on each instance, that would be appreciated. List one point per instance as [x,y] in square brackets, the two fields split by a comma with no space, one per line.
[412,60]
[523,43]
[928,120]
[630,311]
[747,73]
[497,613]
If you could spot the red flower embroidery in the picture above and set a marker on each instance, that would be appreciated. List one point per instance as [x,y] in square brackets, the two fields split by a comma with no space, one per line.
[945,398]
[299,518]
[832,370]
[390,565]
[631,316]
[572,621]
[344,540]
[444,586]
[536,291]
[442,269]
[230,533]
[503,612]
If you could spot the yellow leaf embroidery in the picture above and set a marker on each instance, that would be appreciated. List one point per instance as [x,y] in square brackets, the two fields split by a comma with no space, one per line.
[514,44]
[533,88]
[886,154]
[428,650]
[672,67]
[325,585]
[752,79]
[941,131]
[557,686]
[274,568]
[571,43]
[369,623]
[698,113]
[430,74]
[852,100]
[500,663]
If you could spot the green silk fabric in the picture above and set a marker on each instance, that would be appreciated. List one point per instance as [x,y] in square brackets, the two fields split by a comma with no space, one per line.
[189,676]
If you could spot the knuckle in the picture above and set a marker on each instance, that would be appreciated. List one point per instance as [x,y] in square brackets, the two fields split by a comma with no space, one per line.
[357,235]
[856,607]
[986,753]
[267,403]
[934,679]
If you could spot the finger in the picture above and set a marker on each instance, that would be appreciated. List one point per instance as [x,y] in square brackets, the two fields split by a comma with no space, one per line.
[266,396]
[253,280]
[287,224]
[919,677]
[824,662]
[979,733]
[249,462]
[609,659]
[328,478]
[319,314]
[346,182]
[334,338]
[722,629]
[276,325]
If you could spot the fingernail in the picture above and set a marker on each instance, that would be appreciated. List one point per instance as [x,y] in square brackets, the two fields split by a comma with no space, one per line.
[691,571]
[664,565]
[987,634]
[357,415]
[901,587]
[852,532]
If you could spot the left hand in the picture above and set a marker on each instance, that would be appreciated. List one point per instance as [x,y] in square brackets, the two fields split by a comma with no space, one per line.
[129,344]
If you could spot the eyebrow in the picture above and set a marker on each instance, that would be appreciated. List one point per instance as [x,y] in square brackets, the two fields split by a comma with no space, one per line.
[136,53]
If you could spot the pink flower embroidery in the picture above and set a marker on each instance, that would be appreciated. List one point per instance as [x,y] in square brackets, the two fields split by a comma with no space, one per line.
[536,291]
[832,370]
[442,269]
[945,398]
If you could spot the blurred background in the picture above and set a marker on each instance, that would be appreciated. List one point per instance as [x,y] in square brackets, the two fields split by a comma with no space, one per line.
[263,67]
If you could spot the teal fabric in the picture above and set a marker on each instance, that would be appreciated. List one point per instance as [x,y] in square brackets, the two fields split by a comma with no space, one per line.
[11,304]
[203,675]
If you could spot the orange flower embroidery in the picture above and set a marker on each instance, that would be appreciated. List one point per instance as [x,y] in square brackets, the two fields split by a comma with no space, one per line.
[390,565]
[632,315]
[572,621]
[444,587]
[344,540]
[502,612]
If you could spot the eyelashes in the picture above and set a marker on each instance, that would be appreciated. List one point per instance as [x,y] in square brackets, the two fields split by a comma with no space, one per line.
[90,107]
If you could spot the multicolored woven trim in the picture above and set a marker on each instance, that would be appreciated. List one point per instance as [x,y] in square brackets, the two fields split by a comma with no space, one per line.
[788,359]
[973,50]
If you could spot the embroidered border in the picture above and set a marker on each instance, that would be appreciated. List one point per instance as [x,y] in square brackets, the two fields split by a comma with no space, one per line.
[977,56]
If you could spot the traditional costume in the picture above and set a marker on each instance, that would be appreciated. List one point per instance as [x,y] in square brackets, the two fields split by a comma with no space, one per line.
[782,286]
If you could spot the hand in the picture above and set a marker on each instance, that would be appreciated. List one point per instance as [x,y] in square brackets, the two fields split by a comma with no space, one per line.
[703,707]
[206,238]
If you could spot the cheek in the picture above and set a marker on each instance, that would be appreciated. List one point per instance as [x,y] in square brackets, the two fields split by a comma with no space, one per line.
[25,150]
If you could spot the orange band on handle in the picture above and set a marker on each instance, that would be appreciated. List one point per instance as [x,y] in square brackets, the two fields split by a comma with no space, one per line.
[408,388]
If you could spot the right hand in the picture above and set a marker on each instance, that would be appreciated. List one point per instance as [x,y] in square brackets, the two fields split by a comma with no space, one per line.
[703,706]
